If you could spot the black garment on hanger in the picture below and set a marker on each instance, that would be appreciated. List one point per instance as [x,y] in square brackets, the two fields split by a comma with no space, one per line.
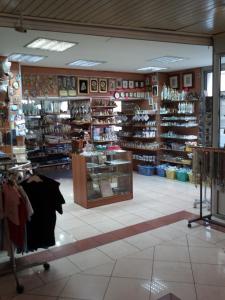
[45,198]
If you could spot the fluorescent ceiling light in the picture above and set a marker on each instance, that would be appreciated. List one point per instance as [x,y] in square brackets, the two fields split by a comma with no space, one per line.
[50,45]
[86,63]
[152,69]
[20,57]
[167,59]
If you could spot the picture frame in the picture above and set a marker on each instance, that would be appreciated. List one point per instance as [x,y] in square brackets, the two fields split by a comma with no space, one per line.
[188,80]
[125,84]
[136,84]
[94,85]
[142,84]
[155,90]
[83,86]
[154,79]
[112,85]
[131,84]
[119,83]
[103,86]
[174,81]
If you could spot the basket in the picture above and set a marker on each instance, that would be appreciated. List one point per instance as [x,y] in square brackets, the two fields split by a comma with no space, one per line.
[182,176]
[146,170]
[160,171]
[170,174]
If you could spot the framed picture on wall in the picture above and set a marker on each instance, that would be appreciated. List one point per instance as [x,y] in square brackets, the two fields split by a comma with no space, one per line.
[131,84]
[94,85]
[125,84]
[155,90]
[83,87]
[112,85]
[103,87]
[174,81]
[136,84]
[188,80]
[119,83]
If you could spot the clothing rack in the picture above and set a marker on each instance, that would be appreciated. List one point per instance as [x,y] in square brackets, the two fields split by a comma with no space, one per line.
[19,287]
[204,162]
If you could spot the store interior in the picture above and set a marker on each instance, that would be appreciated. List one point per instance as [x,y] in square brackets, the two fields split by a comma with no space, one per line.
[149,99]
[117,130]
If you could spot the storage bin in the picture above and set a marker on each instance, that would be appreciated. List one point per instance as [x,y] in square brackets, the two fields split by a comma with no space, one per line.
[146,170]
[171,173]
[160,171]
[182,176]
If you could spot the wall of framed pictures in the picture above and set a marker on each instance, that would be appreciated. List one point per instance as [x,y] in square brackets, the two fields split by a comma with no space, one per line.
[40,81]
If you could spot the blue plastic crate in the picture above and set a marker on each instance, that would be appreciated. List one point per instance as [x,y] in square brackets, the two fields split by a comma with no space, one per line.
[160,171]
[146,170]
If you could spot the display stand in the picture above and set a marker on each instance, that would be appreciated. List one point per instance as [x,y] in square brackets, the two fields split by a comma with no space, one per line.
[207,219]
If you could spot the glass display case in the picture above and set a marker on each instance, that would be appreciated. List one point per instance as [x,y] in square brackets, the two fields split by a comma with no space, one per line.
[101,178]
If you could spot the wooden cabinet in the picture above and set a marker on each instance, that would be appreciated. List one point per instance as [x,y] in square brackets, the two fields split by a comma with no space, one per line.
[101,178]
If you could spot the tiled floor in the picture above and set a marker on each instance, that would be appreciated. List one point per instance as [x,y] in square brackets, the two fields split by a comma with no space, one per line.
[120,264]
[182,263]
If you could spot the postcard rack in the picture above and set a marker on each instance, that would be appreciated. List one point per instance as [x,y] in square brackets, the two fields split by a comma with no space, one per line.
[208,167]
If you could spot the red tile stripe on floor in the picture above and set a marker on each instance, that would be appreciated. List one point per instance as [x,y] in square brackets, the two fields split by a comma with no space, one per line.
[102,239]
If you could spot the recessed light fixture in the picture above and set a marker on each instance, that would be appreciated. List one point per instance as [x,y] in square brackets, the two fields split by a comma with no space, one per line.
[167,59]
[86,63]
[21,57]
[50,45]
[151,69]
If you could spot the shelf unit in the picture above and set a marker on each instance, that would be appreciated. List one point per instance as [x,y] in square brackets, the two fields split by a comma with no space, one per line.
[178,129]
[103,120]
[51,124]
[138,130]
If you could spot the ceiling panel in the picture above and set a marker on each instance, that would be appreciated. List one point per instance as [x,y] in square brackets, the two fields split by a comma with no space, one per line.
[120,54]
[186,15]
[213,25]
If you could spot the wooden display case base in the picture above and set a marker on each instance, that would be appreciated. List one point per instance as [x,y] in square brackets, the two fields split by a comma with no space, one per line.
[105,201]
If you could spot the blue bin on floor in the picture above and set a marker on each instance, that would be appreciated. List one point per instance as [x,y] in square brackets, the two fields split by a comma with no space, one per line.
[146,170]
[160,171]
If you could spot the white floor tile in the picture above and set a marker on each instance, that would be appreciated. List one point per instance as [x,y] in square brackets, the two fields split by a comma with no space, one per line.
[143,240]
[184,291]
[128,219]
[83,232]
[89,259]
[205,292]
[118,249]
[207,255]
[193,241]
[59,268]
[86,287]
[171,253]
[51,289]
[172,271]
[108,226]
[209,274]
[126,288]
[133,268]
[71,223]
[104,270]
[209,235]
[166,234]
[143,254]
[28,278]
